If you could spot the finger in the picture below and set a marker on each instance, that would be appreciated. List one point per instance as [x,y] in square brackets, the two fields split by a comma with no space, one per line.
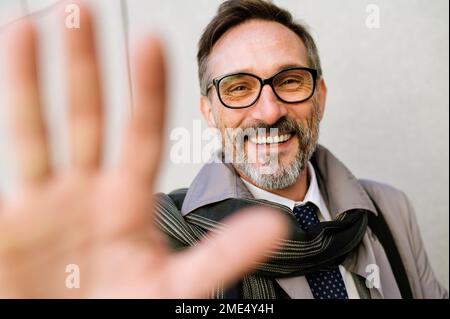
[228,256]
[143,142]
[86,124]
[28,124]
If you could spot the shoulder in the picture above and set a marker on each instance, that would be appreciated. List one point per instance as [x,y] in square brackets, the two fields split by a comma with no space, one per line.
[385,193]
[393,202]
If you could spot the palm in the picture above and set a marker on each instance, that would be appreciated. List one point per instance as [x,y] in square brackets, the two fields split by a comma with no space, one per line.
[94,234]
[98,219]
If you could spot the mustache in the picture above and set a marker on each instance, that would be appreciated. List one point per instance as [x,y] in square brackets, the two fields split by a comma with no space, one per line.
[283,125]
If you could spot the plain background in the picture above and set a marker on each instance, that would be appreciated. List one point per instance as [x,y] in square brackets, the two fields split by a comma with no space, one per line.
[388,104]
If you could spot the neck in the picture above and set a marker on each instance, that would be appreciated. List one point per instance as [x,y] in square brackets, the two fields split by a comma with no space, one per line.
[295,192]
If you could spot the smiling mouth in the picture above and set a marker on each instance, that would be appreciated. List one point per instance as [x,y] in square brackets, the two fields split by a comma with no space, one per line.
[276,139]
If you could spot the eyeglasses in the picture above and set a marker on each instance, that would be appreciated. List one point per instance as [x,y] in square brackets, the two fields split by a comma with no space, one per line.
[241,90]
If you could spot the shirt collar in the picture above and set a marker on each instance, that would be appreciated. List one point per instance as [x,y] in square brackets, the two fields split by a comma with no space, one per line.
[312,195]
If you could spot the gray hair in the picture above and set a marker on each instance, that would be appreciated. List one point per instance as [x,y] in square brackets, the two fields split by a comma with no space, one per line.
[232,13]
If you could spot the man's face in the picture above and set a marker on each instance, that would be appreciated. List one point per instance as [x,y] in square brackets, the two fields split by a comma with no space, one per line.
[264,48]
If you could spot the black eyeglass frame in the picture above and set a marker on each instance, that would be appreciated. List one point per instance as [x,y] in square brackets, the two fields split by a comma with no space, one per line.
[216,83]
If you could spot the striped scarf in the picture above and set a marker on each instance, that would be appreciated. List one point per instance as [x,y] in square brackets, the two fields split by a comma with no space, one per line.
[323,247]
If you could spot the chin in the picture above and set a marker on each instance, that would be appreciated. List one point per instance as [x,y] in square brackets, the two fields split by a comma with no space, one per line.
[272,177]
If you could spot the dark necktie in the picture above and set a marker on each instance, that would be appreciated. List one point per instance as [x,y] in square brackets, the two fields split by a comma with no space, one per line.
[324,284]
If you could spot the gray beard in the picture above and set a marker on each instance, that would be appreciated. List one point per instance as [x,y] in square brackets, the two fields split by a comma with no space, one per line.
[283,176]
[280,176]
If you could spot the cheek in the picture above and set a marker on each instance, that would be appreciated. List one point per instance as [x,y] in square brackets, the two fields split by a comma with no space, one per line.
[230,118]
[302,112]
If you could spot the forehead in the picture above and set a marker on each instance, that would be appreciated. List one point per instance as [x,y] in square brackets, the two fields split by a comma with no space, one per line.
[257,46]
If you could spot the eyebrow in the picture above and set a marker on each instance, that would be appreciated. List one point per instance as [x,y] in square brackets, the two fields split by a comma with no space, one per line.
[279,69]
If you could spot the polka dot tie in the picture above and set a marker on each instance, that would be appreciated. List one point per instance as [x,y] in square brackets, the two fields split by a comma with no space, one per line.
[323,284]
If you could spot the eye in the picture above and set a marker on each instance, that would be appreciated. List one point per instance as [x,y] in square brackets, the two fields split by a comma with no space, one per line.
[292,81]
[238,88]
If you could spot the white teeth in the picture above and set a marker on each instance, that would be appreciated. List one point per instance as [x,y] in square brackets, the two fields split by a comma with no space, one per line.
[260,140]
[270,139]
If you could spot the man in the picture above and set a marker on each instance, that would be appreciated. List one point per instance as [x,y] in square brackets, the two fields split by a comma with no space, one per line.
[98,221]
[258,69]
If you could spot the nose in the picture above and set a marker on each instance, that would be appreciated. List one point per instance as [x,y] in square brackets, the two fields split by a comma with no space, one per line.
[268,108]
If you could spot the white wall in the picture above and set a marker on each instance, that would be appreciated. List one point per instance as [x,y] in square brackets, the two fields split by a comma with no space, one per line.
[387,111]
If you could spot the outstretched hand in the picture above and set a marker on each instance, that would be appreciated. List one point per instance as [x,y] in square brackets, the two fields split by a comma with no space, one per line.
[101,219]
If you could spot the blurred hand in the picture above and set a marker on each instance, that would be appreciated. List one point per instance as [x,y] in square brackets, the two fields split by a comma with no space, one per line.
[98,219]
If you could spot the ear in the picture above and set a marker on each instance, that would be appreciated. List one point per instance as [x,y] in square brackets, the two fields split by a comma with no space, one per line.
[322,96]
[206,109]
